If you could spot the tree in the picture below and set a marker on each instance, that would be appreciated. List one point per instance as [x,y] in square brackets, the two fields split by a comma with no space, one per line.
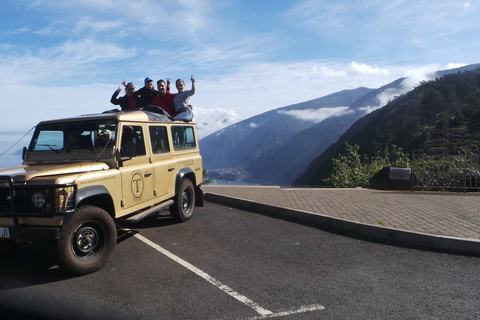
[349,170]
[205,180]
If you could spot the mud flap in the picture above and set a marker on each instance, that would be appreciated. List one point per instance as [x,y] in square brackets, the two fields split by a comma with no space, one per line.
[198,197]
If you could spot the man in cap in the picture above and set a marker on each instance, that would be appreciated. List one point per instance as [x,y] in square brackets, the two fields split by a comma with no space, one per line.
[147,93]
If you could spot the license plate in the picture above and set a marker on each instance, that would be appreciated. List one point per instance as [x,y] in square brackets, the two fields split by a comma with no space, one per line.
[4,233]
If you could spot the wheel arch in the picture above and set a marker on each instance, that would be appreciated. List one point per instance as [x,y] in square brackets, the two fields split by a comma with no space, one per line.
[182,174]
[97,196]
[188,173]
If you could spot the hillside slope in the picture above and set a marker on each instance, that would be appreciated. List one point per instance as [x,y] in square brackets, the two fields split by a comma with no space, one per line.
[440,115]
[261,136]
[288,162]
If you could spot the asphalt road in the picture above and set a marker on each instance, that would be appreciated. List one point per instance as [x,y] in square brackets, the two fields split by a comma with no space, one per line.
[231,264]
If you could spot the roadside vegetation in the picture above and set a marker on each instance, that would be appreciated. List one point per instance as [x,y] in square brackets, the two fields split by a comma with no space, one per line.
[441,116]
[458,170]
[206,180]
[353,170]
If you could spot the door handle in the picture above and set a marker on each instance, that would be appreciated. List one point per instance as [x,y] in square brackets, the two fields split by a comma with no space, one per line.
[148,175]
[171,169]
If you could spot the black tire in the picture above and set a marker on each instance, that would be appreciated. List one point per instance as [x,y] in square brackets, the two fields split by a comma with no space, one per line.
[86,241]
[7,246]
[182,209]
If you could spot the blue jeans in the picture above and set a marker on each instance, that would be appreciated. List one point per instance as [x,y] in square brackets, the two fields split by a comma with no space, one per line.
[184,114]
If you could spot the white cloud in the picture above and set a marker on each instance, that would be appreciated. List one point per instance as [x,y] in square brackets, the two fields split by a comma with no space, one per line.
[364,69]
[337,18]
[455,65]
[413,78]
[316,115]
[259,87]
[60,64]
[26,105]
[161,19]
[407,30]
[87,24]
[209,120]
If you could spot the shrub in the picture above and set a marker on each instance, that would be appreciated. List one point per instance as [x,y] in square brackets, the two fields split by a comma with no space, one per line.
[352,170]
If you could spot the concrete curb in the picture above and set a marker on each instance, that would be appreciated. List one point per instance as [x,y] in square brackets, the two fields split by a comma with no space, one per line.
[352,228]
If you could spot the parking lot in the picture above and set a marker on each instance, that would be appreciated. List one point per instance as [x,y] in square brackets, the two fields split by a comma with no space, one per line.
[230,264]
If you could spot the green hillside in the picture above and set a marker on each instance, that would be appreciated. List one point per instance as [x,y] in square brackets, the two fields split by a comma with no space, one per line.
[439,115]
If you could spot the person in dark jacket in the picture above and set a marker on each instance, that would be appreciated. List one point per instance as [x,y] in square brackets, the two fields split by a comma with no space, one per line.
[130,101]
[147,93]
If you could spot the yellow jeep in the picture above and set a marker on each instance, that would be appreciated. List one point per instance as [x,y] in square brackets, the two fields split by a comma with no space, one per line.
[81,175]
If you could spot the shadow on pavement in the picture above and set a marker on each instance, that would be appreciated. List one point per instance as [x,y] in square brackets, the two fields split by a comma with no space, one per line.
[30,265]
[36,263]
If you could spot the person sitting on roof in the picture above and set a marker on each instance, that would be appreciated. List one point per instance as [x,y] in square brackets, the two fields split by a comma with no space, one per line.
[130,101]
[164,99]
[147,93]
[183,108]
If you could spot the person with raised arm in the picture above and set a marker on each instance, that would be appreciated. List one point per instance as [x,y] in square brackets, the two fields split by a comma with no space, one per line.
[130,101]
[181,101]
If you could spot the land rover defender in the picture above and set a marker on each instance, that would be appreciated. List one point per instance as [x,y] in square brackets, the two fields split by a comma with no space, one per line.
[80,176]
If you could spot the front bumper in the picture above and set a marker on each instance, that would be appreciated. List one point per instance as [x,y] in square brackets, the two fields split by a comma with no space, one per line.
[27,233]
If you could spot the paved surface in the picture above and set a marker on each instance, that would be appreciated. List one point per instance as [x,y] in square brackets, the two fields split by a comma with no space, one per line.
[430,220]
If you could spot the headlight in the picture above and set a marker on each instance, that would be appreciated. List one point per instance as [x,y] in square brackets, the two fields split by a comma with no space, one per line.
[38,200]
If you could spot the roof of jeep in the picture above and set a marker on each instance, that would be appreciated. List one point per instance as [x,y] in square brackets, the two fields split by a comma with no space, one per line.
[136,115]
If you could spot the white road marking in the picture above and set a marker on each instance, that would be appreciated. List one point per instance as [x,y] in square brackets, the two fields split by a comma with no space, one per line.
[310,308]
[264,313]
[207,277]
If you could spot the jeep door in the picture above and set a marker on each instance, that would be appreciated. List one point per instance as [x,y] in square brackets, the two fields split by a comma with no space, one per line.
[163,163]
[137,170]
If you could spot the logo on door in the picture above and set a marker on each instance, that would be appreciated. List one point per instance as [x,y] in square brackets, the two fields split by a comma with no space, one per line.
[137,185]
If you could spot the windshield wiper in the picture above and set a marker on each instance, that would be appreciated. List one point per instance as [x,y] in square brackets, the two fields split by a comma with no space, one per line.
[50,146]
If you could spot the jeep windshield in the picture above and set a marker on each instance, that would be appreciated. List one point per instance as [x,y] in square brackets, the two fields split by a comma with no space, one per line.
[81,135]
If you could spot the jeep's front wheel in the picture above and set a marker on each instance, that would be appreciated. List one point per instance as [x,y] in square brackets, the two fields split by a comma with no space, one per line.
[87,241]
[184,202]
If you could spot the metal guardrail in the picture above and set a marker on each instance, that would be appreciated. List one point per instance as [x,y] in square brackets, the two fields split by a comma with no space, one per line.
[446,171]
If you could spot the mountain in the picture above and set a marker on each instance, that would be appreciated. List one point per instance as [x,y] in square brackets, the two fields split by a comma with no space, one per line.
[440,115]
[289,161]
[277,146]
[235,151]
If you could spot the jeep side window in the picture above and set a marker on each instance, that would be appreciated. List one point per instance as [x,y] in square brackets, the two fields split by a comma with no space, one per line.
[183,137]
[159,139]
[132,144]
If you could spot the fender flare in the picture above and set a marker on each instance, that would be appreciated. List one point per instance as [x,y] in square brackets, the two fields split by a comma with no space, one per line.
[181,174]
[90,191]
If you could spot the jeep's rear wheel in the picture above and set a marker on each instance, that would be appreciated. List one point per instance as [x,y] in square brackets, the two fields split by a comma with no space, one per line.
[87,241]
[184,204]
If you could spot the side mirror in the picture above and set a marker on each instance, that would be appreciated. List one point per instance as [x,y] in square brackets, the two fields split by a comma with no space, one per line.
[24,153]
[120,159]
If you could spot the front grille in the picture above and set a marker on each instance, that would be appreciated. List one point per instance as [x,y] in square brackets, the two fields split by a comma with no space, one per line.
[34,200]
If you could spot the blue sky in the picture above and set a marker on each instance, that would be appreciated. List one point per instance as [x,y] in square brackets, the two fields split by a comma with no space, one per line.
[64,58]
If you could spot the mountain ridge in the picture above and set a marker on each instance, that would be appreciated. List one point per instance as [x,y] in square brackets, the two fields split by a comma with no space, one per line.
[262,135]
[276,148]
[439,115]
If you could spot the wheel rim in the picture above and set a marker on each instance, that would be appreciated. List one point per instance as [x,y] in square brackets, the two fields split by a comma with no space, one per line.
[186,200]
[87,241]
